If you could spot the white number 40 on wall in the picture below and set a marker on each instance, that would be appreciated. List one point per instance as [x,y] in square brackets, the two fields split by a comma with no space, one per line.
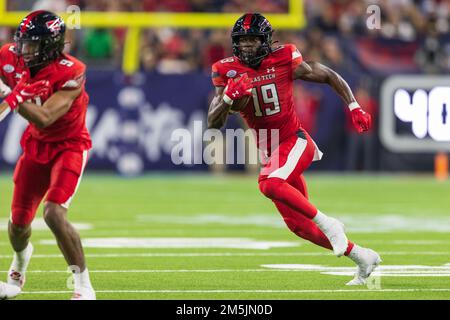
[428,112]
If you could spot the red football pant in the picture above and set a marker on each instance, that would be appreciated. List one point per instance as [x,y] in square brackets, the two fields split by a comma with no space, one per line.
[281,180]
[299,224]
[278,178]
[59,179]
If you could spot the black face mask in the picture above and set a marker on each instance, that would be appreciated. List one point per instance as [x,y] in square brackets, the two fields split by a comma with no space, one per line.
[251,58]
[32,56]
[45,49]
[254,59]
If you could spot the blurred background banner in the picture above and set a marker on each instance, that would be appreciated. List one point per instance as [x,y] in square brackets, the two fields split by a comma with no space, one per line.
[131,120]
[149,67]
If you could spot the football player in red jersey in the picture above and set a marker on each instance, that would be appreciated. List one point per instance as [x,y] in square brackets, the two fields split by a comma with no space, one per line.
[266,75]
[48,91]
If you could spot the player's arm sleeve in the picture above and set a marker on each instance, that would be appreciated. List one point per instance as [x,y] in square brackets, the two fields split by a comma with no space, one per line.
[216,76]
[5,58]
[296,56]
[74,77]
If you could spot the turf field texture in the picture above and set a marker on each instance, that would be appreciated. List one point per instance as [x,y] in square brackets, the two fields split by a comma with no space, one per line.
[217,237]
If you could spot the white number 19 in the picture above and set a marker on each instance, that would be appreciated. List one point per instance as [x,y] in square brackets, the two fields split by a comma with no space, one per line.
[269,96]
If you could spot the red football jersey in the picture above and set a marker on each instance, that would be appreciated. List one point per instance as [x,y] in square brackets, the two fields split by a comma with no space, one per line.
[272,104]
[69,131]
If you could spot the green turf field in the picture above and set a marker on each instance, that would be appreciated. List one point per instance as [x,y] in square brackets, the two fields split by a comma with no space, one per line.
[207,237]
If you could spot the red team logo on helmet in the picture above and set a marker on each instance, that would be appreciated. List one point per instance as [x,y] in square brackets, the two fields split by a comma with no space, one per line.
[54,25]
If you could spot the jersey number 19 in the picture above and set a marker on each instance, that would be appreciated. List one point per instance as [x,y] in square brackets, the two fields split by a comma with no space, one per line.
[269,96]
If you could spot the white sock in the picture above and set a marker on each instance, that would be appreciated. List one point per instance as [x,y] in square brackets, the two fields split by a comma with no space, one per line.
[20,258]
[82,279]
[355,254]
[320,219]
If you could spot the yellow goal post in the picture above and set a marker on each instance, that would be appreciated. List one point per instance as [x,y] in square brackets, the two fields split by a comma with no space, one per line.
[136,21]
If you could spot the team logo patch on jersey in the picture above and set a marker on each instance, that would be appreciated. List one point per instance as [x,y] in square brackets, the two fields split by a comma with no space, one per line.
[231,73]
[8,68]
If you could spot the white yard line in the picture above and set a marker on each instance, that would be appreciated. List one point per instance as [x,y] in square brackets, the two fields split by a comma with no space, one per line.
[355,223]
[168,271]
[408,242]
[229,254]
[249,291]
[332,271]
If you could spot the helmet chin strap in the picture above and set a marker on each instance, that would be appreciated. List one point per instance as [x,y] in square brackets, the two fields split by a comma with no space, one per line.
[34,68]
[41,62]
[254,62]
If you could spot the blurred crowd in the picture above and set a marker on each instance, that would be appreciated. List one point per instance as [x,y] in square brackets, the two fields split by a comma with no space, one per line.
[155,5]
[333,33]
[169,50]
[178,51]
